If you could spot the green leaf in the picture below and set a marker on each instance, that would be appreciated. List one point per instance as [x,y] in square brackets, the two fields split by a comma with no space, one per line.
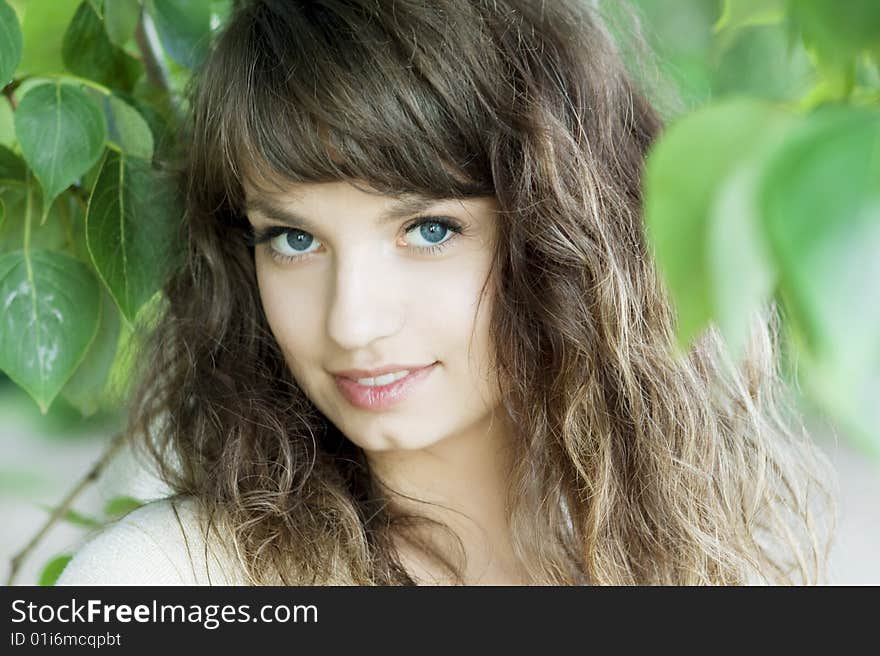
[48,236]
[78,519]
[184,28]
[7,125]
[740,270]
[10,43]
[130,223]
[119,506]
[131,342]
[120,19]
[760,62]
[744,13]
[155,107]
[837,33]
[41,24]
[88,52]
[685,180]
[53,569]
[821,199]
[61,133]
[11,166]
[127,129]
[84,390]
[75,518]
[51,311]
[30,83]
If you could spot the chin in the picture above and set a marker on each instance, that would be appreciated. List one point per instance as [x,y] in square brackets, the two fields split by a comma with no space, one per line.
[396,440]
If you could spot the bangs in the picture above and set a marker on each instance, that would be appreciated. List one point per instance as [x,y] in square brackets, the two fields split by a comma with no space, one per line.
[320,92]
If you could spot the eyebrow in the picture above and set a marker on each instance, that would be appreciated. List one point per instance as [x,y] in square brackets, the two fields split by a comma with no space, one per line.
[402,208]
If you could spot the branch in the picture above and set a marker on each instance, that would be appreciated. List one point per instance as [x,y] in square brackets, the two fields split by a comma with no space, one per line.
[115,444]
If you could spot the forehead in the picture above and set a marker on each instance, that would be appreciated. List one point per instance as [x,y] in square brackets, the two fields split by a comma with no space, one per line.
[321,193]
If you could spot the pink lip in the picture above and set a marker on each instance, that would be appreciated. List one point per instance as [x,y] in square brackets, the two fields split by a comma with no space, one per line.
[354,374]
[381,397]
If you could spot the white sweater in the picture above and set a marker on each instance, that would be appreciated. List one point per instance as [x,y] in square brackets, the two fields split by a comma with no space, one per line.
[150,546]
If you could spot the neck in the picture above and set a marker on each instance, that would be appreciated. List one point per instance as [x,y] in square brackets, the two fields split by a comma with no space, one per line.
[464,478]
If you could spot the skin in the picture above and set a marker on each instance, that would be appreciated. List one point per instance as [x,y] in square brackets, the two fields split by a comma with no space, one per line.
[365,296]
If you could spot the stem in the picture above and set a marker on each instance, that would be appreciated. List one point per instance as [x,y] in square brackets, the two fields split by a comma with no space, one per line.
[9,92]
[64,213]
[81,195]
[156,72]
[115,444]
[27,216]
[155,67]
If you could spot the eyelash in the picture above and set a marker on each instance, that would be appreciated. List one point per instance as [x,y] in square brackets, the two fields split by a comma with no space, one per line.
[257,236]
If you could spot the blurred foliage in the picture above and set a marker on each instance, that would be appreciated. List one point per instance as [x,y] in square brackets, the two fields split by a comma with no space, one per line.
[114,509]
[765,187]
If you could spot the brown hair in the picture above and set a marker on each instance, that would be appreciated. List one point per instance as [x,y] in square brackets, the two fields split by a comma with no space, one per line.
[634,465]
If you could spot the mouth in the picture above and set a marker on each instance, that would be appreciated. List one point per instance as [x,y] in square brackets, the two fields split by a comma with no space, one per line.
[380,395]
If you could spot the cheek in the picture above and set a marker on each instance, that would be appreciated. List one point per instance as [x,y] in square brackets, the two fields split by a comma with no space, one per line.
[292,312]
[460,319]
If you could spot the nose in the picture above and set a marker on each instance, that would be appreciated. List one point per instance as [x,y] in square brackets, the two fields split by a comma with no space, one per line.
[366,304]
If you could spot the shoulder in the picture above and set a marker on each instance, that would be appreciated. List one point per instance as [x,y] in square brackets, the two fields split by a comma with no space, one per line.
[161,543]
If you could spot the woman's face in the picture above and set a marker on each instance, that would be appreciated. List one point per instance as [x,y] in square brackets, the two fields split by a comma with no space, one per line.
[355,280]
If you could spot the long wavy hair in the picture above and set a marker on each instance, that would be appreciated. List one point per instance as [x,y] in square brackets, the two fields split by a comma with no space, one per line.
[634,465]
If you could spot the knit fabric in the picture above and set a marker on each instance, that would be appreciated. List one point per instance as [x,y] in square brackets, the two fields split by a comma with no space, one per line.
[153,545]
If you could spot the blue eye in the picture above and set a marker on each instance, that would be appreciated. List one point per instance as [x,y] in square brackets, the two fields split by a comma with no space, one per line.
[432,231]
[298,240]
[287,245]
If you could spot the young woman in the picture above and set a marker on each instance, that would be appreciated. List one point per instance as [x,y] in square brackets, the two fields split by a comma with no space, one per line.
[418,336]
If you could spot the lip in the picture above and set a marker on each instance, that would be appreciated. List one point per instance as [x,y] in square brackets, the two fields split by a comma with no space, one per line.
[354,374]
[381,397]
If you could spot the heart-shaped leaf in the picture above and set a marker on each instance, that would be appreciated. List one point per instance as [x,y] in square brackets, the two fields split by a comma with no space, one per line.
[49,236]
[61,133]
[120,19]
[127,129]
[130,230]
[88,52]
[50,316]
[84,389]
[10,43]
